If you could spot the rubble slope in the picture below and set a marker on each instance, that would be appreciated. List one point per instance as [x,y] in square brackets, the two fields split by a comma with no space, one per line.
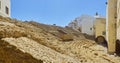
[43,44]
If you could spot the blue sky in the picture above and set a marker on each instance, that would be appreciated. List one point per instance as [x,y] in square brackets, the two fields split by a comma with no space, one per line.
[59,12]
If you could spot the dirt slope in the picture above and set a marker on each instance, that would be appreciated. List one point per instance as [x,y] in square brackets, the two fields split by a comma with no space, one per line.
[43,43]
[39,51]
[10,54]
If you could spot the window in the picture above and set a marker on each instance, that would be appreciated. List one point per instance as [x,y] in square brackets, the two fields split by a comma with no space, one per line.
[90,28]
[103,33]
[7,10]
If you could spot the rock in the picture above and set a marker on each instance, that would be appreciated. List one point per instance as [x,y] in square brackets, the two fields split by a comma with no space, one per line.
[66,37]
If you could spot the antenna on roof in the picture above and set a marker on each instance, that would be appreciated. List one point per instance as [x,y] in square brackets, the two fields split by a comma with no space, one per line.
[96,14]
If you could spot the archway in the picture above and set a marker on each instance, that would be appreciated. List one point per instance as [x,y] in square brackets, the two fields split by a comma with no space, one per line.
[101,40]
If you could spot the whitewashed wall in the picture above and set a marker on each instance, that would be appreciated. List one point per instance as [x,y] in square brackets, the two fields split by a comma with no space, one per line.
[5,3]
[85,22]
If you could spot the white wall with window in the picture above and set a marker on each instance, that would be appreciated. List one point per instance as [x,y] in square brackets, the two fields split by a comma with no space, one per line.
[5,8]
[85,23]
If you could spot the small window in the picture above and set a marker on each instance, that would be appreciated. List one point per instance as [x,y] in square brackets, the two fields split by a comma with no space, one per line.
[90,28]
[103,33]
[7,10]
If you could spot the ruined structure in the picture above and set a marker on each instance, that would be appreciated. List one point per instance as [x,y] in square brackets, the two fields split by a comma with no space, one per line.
[110,31]
[100,29]
[111,25]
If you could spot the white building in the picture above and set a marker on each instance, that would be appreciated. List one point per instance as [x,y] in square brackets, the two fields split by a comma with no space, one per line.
[5,8]
[85,23]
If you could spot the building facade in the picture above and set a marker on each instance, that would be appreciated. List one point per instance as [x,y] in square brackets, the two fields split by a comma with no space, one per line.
[84,24]
[100,27]
[5,8]
[87,25]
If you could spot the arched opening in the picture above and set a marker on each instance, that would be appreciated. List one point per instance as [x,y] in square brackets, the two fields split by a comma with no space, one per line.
[101,40]
[118,47]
